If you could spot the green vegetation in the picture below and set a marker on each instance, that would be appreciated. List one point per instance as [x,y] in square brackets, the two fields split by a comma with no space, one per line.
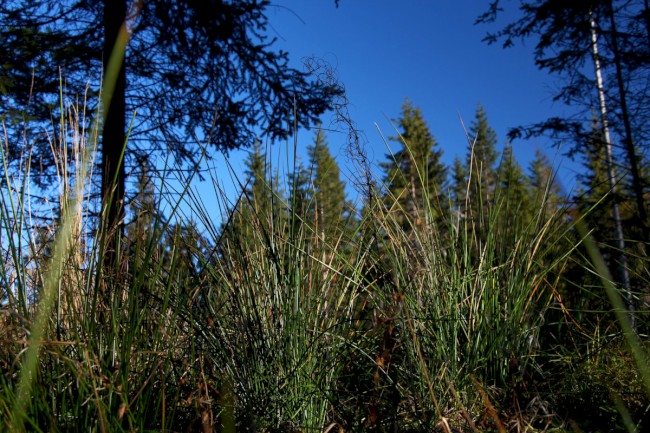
[480,301]
[466,310]
[414,177]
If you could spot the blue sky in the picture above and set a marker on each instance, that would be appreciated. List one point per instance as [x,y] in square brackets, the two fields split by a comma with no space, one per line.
[429,51]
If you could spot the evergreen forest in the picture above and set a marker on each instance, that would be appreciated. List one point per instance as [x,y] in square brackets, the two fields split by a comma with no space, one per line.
[403,294]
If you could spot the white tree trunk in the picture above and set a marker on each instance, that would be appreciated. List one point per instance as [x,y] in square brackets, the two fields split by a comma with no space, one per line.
[611,174]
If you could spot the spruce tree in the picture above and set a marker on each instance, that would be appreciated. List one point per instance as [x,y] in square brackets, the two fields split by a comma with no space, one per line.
[186,61]
[300,194]
[253,210]
[185,250]
[415,177]
[594,201]
[257,192]
[511,180]
[144,218]
[568,34]
[458,189]
[482,156]
[595,197]
[143,205]
[513,207]
[328,202]
[480,165]
[544,191]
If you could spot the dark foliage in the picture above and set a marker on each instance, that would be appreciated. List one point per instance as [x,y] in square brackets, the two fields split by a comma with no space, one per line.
[193,68]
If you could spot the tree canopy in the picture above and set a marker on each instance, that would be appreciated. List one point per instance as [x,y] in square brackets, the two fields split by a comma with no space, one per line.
[574,39]
[414,175]
[193,71]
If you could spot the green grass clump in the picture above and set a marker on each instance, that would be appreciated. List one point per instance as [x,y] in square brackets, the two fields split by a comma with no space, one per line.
[264,323]
[82,350]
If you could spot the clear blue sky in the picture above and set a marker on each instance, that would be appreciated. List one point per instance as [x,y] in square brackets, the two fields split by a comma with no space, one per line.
[429,51]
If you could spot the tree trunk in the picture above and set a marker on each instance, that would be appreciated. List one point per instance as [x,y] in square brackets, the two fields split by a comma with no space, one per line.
[630,150]
[611,175]
[113,173]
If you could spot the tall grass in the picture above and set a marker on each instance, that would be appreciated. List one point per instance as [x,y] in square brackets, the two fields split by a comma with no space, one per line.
[80,351]
[265,323]
[468,294]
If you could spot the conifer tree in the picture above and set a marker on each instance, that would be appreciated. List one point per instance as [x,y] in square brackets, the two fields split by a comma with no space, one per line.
[458,187]
[594,201]
[595,197]
[329,204]
[415,176]
[300,193]
[257,192]
[144,218]
[185,249]
[567,35]
[547,203]
[512,199]
[511,179]
[253,211]
[186,60]
[480,166]
[544,190]
[143,204]
[482,156]
[458,194]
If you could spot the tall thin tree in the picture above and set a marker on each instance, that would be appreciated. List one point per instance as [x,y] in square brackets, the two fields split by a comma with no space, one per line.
[611,175]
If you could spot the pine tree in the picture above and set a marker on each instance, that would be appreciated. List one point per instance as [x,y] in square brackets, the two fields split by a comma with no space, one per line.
[415,177]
